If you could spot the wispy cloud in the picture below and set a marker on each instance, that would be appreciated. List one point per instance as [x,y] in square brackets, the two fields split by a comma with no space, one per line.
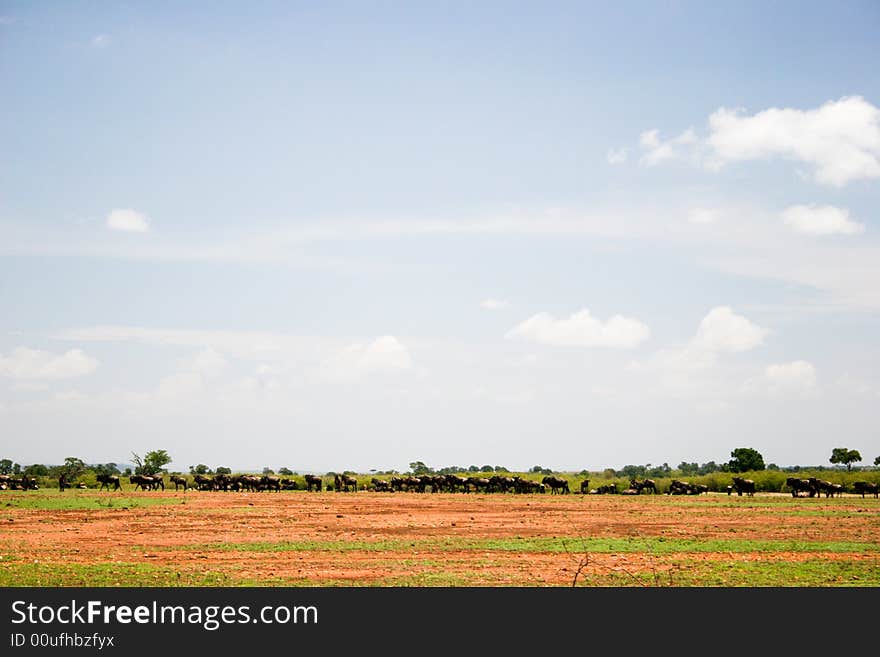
[25,363]
[100,41]
[128,220]
[617,155]
[494,304]
[658,151]
[821,220]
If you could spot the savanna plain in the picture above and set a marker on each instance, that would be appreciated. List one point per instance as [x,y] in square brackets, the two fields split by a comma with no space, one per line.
[299,538]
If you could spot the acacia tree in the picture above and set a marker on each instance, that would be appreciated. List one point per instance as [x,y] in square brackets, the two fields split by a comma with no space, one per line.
[152,463]
[72,468]
[845,456]
[745,459]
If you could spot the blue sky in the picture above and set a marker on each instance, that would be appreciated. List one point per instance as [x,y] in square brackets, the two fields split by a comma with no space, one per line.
[353,235]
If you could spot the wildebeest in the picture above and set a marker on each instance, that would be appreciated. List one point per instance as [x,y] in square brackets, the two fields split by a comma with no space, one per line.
[108,480]
[144,482]
[557,484]
[63,483]
[607,489]
[647,484]
[746,486]
[381,485]
[862,487]
[313,481]
[797,485]
[178,481]
[268,482]
[344,482]
[677,487]
[585,486]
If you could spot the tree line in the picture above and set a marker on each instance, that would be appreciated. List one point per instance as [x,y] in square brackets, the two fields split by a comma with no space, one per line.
[743,459]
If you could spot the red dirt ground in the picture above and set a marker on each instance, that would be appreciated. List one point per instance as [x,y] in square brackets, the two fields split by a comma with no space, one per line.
[156,534]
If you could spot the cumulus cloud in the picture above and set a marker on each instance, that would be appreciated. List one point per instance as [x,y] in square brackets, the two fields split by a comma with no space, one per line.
[658,151]
[840,139]
[796,377]
[128,220]
[617,155]
[494,304]
[24,363]
[383,355]
[821,220]
[582,330]
[722,330]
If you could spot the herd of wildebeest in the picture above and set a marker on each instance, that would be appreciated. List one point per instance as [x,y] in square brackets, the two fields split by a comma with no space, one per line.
[437,483]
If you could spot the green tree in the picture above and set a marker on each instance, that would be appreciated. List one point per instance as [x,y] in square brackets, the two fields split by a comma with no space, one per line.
[6,466]
[268,471]
[223,470]
[487,468]
[877,461]
[845,456]
[73,468]
[688,469]
[745,459]
[106,469]
[285,472]
[419,468]
[201,469]
[152,463]
[37,470]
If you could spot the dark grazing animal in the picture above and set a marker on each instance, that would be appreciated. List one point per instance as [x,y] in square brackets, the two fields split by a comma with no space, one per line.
[797,485]
[144,482]
[585,486]
[268,482]
[108,480]
[746,486]
[557,484]
[862,487]
[178,481]
[647,484]
[343,482]
[313,481]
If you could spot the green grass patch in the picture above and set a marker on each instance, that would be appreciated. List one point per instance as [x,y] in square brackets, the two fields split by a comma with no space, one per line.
[575,545]
[107,574]
[70,500]
[812,573]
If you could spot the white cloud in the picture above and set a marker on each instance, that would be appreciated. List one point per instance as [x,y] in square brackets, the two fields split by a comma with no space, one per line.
[383,355]
[694,369]
[180,384]
[582,330]
[209,362]
[821,220]
[723,330]
[100,41]
[30,386]
[494,304]
[840,139]
[660,151]
[703,216]
[128,220]
[796,377]
[24,363]
[617,155]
